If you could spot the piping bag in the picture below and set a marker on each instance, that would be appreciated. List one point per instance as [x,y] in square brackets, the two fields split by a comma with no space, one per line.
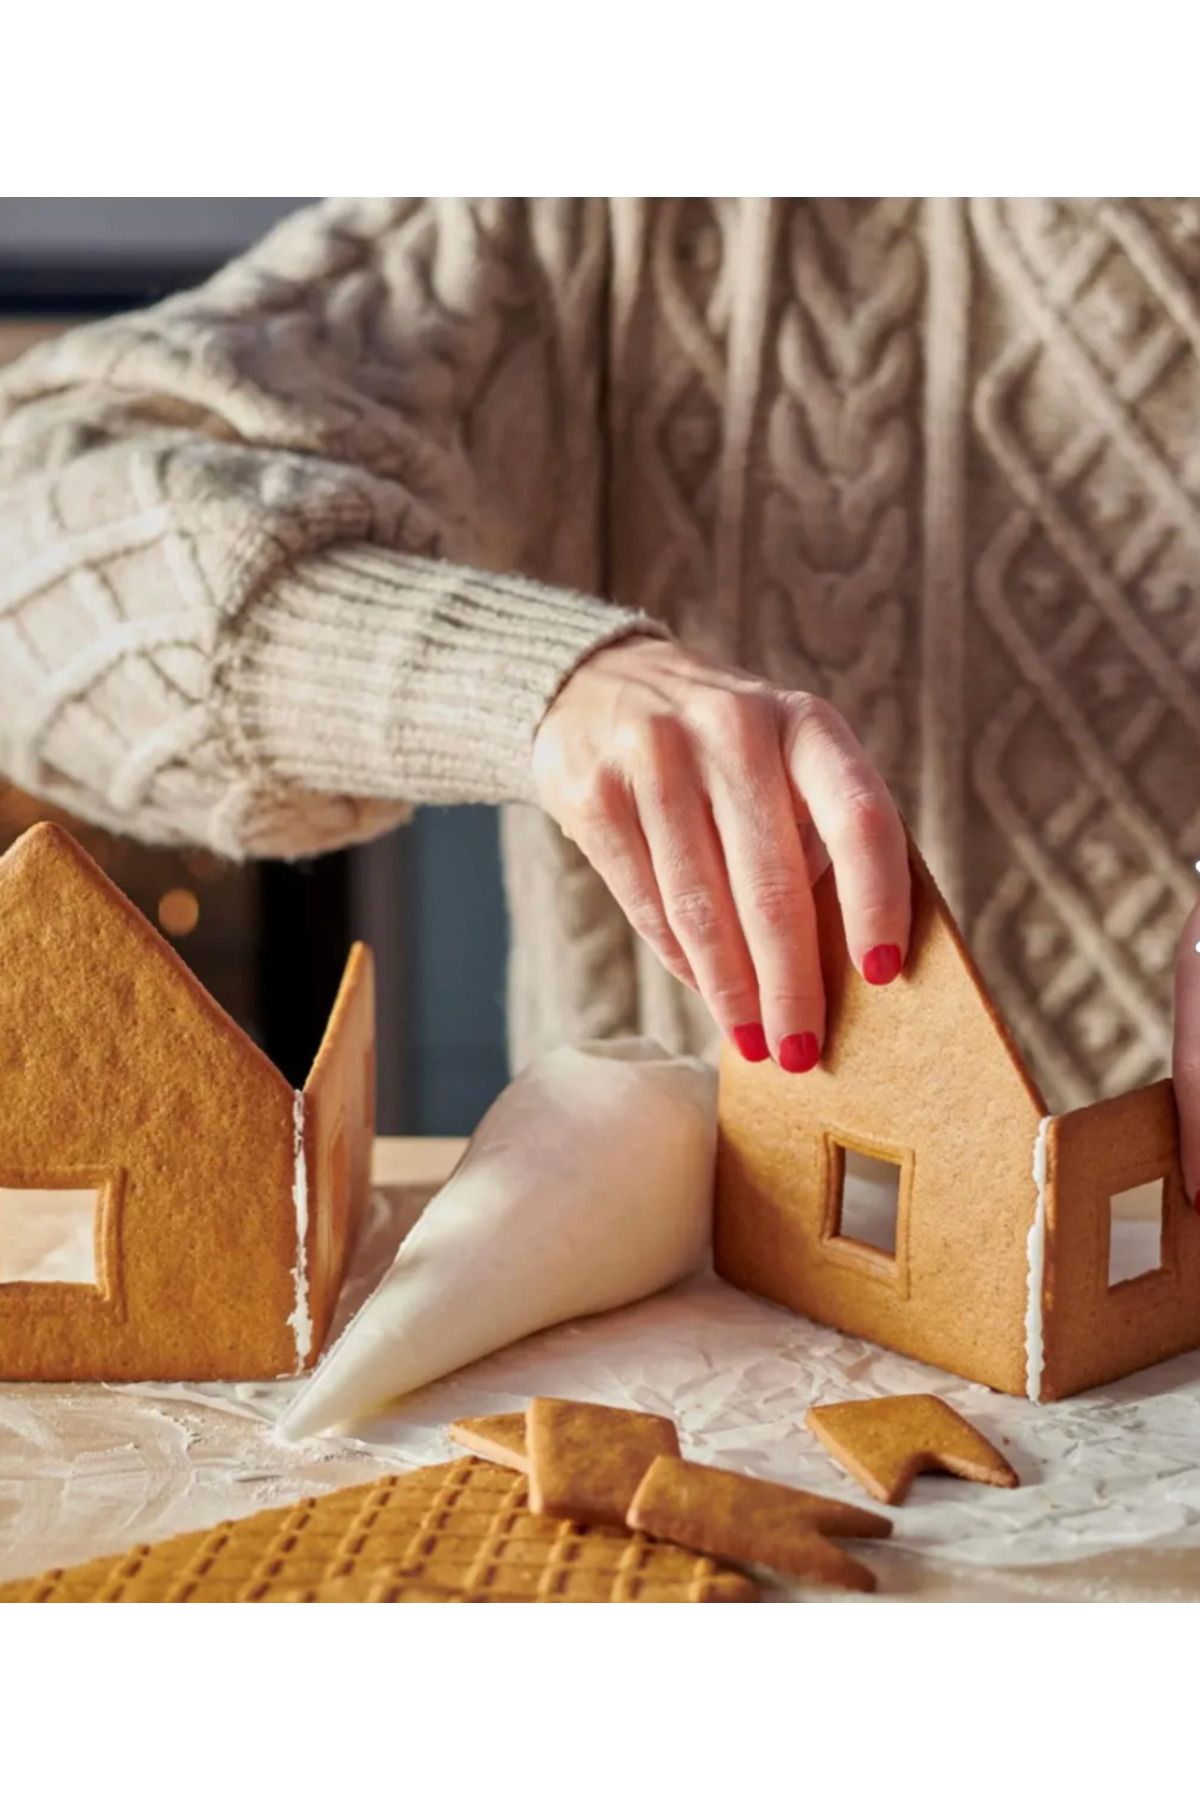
[587,1185]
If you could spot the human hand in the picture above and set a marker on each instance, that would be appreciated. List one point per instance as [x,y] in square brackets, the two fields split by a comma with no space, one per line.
[703,797]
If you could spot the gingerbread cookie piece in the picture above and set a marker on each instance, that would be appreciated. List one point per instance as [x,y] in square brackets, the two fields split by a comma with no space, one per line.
[885,1443]
[497,1437]
[585,1461]
[725,1514]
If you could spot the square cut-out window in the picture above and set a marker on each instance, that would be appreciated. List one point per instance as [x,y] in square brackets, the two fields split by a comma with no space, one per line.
[1135,1232]
[868,1198]
[49,1234]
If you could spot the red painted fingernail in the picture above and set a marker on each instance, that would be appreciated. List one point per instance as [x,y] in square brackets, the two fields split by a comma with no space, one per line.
[882,964]
[799,1053]
[751,1040]
[1196,1200]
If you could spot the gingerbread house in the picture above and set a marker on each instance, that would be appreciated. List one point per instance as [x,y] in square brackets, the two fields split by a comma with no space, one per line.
[170,1208]
[913,1190]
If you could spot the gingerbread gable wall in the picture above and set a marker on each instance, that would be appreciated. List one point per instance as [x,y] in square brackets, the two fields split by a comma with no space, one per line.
[118,1070]
[923,1073]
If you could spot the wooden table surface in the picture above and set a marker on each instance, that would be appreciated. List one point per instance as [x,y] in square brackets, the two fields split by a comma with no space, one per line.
[60,1501]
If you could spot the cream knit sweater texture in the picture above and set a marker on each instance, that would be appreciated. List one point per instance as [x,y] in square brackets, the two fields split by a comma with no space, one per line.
[318,541]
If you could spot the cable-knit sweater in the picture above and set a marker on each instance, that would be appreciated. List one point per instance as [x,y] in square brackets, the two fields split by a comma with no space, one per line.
[285,555]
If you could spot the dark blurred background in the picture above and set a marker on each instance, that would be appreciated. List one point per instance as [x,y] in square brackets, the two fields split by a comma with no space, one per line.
[269,940]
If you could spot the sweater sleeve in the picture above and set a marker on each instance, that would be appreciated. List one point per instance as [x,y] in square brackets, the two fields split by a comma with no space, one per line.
[259,544]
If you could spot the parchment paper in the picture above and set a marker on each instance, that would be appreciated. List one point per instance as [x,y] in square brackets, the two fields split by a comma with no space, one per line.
[1113,1469]
[1110,1469]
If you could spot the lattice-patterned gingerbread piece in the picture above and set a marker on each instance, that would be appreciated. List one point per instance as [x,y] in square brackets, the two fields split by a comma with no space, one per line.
[459,1530]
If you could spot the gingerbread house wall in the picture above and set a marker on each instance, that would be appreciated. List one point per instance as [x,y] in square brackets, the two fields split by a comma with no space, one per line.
[117,1071]
[339,1132]
[920,1072]
[1093,1332]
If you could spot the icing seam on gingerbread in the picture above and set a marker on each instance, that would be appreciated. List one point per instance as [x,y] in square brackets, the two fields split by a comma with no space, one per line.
[300,1318]
[1035,1348]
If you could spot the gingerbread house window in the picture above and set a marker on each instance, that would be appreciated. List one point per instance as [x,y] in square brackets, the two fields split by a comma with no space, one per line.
[1135,1232]
[867,1198]
[48,1233]
[867,1187]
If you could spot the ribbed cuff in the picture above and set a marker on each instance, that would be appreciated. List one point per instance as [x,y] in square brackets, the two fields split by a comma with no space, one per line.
[368,673]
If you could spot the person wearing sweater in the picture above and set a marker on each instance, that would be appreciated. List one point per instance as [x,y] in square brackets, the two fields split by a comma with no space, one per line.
[689,532]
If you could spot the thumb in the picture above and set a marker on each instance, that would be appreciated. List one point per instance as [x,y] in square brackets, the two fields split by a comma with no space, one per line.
[1186,1051]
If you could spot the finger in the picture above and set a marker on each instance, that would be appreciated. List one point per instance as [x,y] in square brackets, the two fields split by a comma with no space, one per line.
[694,885]
[857,821]
[816,856]
[755,816]
[609,833]
[1186,1053]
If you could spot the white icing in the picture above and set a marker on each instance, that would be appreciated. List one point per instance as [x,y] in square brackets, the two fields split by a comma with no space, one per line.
[1035,1349]
[300,1318]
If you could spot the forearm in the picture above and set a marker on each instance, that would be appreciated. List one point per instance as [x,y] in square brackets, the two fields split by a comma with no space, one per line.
[223,614]
[353,684]
[389,678]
